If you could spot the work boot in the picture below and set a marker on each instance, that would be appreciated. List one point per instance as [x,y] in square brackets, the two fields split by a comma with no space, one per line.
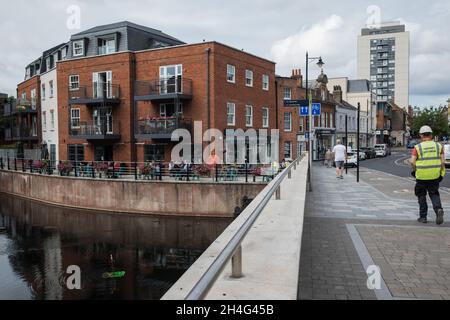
[440,217]
[422,220]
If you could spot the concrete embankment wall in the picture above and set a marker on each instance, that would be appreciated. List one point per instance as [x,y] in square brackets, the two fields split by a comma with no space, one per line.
[129,196]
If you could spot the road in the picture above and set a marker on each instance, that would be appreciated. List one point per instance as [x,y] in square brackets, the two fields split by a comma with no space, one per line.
[394,165]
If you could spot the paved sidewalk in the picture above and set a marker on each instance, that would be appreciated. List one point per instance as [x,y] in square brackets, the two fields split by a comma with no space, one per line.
[349,227]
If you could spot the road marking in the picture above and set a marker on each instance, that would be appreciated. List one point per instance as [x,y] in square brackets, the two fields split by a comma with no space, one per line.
[366,216]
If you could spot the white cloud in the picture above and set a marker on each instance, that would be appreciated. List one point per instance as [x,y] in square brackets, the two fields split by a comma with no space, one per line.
[330,38]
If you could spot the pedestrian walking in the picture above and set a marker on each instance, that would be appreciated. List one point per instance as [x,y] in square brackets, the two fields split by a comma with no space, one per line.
[328,158]
[340,154]
[428,163]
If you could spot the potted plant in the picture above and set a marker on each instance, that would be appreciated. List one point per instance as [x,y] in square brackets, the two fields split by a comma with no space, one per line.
[65,168]
[101,168]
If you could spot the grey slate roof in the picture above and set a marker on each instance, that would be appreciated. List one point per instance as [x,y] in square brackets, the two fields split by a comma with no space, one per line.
[355,86]
[128,24]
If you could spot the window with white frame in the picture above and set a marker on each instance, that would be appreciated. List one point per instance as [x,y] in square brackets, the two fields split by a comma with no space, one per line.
[331,121]
[52,119]
[265,117]
[287,150]
[231,73]
[51,88]
[44,120]
[249,78]
[43,91]
[33,99]
[75,118]
[249,116]
[74,82]
[287,121]
[231,114]
[301,127]
[106,46]
[287,94]
[78,48]
[265,82]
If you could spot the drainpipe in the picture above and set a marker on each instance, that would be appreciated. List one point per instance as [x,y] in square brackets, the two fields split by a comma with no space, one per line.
[208,86]
[133,108]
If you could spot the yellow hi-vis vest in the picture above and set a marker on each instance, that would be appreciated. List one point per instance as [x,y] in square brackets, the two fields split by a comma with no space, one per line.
[429,162]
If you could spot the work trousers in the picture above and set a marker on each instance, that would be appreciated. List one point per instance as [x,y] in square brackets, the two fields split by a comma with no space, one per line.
[432,188]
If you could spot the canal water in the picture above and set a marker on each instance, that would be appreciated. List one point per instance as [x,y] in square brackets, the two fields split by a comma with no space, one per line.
[119,256]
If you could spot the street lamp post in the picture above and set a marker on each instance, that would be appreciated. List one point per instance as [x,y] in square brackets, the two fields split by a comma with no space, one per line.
[320,63]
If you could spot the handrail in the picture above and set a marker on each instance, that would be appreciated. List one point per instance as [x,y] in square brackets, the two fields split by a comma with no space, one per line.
[233,248]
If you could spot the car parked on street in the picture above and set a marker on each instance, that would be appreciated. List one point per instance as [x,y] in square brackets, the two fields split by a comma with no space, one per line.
[382,150]
[370,153]
[352,160]
[447,154]
[412,144]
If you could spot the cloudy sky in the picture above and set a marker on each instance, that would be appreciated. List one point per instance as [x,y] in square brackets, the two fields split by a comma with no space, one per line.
[280,30]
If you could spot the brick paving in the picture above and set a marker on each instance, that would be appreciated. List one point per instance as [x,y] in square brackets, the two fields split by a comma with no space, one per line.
[414,259]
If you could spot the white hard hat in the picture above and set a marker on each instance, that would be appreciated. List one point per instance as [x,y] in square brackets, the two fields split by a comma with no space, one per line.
[425,129]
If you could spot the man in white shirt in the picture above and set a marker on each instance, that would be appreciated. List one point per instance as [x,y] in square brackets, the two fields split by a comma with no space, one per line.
[340,154]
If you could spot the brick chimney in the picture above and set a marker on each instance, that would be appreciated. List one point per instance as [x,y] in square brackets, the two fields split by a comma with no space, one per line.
[297,75]
[337,94]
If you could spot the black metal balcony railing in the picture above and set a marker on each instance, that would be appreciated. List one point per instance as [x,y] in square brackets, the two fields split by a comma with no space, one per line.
[20,106]
[103,130]
[95,94]
[164,88]
[20,134]
[162,128]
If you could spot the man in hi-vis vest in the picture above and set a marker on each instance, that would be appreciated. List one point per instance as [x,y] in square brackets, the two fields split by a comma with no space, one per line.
[428,162]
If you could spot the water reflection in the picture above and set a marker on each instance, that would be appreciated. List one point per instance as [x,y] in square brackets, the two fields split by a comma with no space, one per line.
[39,242]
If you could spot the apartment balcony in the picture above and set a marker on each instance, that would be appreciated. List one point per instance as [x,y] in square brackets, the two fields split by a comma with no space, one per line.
[161,129]
[97,94]
[20,107]
[105,131]
[21,134]
[164,89]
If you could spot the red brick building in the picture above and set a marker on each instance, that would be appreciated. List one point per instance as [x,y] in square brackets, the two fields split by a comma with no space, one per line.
[293,127]
[153,92]
[23,117]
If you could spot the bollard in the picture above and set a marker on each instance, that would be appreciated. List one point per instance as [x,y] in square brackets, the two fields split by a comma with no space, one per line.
[15,164]
[187,172]
[114,170]
[7,162]
[1,163]
[135,171]
[93,170]
[290,174]
[236,264]
[278,194]
[246,172]
[217,173]
[24,168]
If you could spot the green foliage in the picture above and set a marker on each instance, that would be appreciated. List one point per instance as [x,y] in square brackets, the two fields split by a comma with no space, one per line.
[436,118]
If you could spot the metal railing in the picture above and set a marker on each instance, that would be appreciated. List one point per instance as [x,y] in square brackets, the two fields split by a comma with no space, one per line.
[144,171]
[233,249]
[18,133]
[92,129]
[163,126]
[96,91]
[164,86]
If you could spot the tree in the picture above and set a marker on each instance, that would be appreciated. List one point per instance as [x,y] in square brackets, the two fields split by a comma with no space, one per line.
[436,118]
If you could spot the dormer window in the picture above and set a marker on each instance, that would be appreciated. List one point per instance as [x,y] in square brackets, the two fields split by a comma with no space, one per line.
[78,48]
[106,46]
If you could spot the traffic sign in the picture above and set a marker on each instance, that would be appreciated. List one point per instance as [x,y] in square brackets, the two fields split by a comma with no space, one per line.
[296,103]
[304,111]
[316,109]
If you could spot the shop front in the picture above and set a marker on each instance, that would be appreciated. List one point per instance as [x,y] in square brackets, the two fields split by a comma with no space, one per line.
[324,140]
